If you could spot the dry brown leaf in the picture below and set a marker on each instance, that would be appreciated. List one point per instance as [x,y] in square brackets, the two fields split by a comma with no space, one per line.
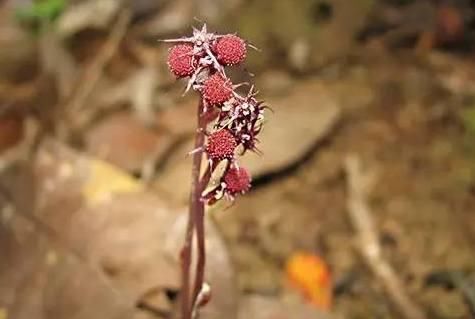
[123,140]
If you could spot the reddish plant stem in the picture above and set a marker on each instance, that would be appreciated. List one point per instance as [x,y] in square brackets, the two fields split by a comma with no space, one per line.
[200,234]
[196,205]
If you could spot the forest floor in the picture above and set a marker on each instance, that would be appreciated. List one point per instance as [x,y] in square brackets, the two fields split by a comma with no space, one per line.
[406,118]
[409,117]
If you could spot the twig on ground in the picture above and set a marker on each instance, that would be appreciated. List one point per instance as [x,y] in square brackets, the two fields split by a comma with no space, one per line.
[95,70]
[359,186]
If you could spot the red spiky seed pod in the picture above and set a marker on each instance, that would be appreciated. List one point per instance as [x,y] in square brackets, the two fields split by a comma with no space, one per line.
[180,60]
[217,90]
[230,49]
[237,180]
[221,145]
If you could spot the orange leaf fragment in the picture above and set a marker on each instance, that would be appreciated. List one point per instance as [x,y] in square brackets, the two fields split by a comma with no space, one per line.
[310,275]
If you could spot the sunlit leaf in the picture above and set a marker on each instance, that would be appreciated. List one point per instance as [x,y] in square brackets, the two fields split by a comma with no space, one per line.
[105,179]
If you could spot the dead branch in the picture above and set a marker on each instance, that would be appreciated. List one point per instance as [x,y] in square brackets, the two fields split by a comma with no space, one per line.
[359,186]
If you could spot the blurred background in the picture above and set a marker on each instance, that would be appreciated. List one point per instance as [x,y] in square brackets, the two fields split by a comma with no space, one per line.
[363,200]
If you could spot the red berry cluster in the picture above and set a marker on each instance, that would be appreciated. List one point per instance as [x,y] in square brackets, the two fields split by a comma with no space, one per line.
[203,58]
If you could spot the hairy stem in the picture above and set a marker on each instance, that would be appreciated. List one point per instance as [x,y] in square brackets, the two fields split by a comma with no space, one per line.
[196,206]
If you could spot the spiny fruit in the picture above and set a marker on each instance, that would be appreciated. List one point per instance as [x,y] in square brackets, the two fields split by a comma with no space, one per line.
[221,145]
[230,49]
[237,180]
[180,60]
[217,90]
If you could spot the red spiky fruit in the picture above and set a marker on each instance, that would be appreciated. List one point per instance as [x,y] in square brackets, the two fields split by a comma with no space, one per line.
[217,90]
[237,180]
[221,145]
[230,49]
[180,60]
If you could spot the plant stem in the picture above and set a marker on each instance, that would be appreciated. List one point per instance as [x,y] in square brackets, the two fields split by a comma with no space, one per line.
[200,234]
[196,206]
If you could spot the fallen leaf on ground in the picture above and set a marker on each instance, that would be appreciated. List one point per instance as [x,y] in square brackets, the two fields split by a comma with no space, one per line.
[74,256]
[309,274]
[105,179]
[123,140]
